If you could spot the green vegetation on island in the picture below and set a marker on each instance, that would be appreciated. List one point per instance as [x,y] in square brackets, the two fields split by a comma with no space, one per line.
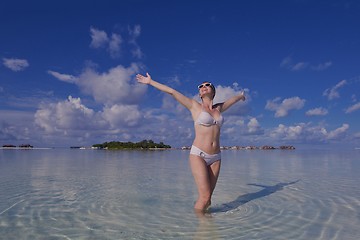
[144,144]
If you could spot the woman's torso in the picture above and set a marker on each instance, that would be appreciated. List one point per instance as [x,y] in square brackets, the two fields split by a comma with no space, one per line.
[207,124]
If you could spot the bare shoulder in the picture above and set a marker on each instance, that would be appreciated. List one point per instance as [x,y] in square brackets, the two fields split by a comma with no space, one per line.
[196,108]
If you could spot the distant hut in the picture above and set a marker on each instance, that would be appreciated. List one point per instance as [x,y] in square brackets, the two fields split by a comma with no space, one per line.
[25,146]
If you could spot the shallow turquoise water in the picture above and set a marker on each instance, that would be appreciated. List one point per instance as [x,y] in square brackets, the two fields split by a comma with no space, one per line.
[95,194]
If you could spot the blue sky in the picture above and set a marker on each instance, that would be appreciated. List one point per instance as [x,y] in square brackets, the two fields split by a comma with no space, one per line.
[67,70]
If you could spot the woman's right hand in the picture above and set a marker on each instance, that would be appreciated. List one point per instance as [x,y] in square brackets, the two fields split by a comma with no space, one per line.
[142,79]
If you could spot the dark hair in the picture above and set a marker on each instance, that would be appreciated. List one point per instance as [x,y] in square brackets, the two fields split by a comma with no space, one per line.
[213,88]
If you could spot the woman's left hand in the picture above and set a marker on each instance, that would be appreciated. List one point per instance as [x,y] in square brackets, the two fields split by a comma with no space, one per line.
[242,94]
[142,79]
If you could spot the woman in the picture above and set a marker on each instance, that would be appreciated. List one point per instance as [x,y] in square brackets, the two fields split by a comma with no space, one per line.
[205,155]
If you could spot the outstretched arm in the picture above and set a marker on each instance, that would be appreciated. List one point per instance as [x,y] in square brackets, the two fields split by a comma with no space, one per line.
[231,101]
[187,102]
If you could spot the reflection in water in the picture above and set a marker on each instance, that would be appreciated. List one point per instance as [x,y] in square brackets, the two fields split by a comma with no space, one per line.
[242,199]
[206,229]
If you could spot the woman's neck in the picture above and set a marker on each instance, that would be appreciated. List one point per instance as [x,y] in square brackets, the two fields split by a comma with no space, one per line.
[207,103]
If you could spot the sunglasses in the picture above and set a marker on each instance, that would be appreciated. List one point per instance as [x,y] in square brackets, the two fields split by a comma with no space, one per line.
[204,85]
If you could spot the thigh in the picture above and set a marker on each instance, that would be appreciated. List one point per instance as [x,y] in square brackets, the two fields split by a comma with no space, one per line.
[214,171]
[200,173]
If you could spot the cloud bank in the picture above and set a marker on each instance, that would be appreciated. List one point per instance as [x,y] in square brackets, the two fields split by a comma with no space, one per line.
[116,86]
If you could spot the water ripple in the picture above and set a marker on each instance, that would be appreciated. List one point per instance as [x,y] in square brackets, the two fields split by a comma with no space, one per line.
[256,198]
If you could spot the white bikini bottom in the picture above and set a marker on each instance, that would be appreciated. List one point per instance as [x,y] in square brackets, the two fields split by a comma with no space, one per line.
[208,158]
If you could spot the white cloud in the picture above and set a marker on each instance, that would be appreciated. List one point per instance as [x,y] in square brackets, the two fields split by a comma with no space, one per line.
[239,130]
[288,133]
[71,119]
[116,86]
[338,133]
[136,52]
[65,115]
[307,133]
[112,87]
[357,135]
[254,126]
[353,108]
[299,66]
[282,109]
[299,133]
[99,38]
[116,91]
[134,34]
[317,112]
[63,77]
[169,103]
[322,66]
[15,64]
[16,126]
[332,93]
[288,63]
[113,42]
[120,116]
[171,106]
[114,45]
[6,135]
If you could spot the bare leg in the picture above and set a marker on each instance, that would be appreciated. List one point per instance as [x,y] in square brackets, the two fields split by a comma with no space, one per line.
[214,171]
[202,179]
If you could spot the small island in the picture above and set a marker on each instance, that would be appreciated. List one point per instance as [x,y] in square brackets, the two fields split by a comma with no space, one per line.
[22,146]
[144,144]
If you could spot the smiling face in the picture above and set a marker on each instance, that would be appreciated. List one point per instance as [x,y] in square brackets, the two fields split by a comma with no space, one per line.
[206,88]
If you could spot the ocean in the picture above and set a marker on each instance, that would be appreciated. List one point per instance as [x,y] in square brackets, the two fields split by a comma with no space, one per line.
[104,194]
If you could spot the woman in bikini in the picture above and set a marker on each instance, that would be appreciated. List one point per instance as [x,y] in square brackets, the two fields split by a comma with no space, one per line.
[205,155]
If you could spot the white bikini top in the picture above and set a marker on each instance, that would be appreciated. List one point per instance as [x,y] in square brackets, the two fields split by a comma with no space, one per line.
[205,119]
